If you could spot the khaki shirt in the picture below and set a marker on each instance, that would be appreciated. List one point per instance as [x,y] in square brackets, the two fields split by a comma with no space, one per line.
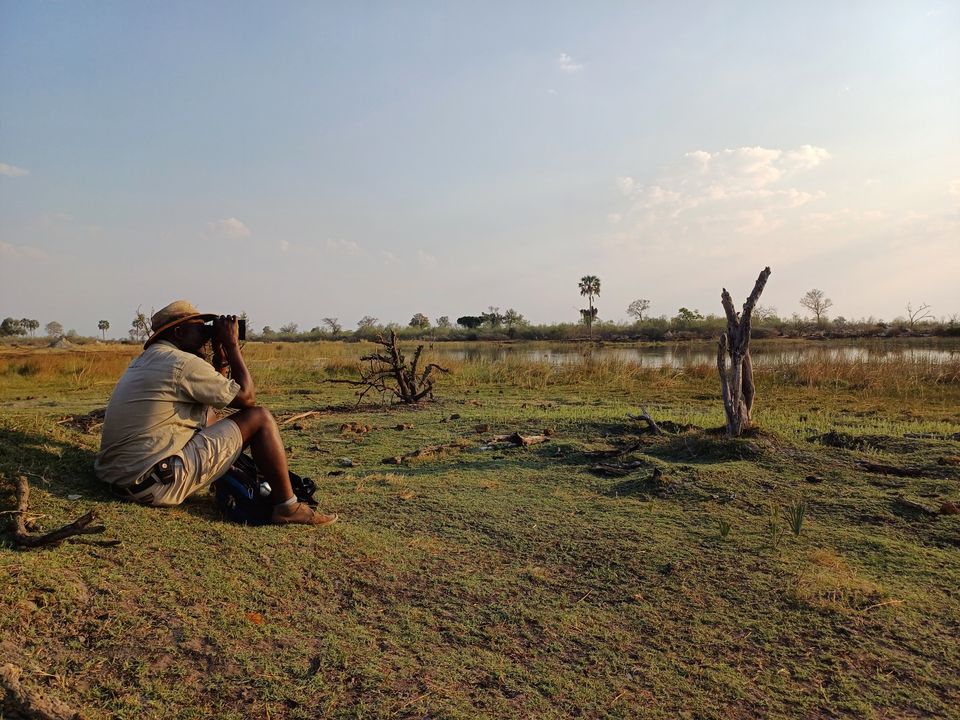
[158,405]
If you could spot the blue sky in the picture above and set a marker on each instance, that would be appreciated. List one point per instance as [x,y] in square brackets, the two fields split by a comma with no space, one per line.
[305,160]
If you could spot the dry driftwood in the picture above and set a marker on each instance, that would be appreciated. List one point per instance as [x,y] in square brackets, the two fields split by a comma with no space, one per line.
[23,702]
[388,372]
[737,384]
[22,537]
[645,416]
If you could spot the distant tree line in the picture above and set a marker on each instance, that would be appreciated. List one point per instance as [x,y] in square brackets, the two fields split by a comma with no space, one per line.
[27,326]
[685,324]
[493,324]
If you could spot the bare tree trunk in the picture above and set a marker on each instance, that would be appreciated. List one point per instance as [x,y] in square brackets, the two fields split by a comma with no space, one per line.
[736,383]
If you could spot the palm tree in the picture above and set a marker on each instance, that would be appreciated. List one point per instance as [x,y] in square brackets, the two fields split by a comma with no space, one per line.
[140,327]
[590,286]
[103,326]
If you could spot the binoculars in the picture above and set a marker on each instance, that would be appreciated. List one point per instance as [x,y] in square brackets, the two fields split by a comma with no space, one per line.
[241,329]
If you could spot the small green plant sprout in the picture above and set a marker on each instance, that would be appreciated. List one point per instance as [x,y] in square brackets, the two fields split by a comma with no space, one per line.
[724,527]
[774,527]
[795,515]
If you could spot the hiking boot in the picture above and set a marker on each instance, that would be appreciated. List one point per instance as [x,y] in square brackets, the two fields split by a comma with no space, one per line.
[300,514]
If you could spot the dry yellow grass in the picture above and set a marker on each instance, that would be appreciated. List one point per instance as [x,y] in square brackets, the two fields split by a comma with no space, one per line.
[278,365]
[829,583]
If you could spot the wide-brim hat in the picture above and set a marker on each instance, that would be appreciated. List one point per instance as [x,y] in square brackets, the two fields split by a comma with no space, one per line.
[179,311]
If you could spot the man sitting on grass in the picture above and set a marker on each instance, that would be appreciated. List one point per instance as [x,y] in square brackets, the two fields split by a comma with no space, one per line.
[161,440]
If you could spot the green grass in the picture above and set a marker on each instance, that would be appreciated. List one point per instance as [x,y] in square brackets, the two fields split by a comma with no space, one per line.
[507,582]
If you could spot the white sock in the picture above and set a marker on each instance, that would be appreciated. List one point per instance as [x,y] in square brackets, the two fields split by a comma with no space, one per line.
[288,502]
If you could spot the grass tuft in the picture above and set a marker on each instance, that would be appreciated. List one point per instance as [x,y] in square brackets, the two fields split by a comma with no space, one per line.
[796,512]
[829,583]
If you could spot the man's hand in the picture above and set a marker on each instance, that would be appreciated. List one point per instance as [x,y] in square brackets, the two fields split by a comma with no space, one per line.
[226,332]
[219,359]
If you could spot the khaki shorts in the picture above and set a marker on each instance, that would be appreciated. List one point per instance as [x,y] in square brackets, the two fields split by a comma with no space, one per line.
[206,457]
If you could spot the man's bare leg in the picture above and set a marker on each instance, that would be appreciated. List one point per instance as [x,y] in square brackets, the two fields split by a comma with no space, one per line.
[260,432]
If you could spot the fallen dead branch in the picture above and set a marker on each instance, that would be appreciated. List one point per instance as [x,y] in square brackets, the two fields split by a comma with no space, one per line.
[299,416]
[388,372]
[613,453]
[618,469]
[884,469]
[18,524]
[24,702]
[882,604]
[645,416]
[87,423]
[520,440]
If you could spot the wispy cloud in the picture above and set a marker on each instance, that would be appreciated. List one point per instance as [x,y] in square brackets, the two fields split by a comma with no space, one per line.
[228,229]
[22,252]
[735,193]
[388,257]
[12,170]
[345,248]
[789,209]
[567,64]
[330,247]
[426,261]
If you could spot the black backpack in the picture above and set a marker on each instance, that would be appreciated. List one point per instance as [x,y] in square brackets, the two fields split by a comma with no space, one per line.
[242,496]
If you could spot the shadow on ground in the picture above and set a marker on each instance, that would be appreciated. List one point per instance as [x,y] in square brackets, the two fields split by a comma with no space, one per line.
[57,466]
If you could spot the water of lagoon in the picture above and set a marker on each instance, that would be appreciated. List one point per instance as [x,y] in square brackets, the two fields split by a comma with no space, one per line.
[679,355]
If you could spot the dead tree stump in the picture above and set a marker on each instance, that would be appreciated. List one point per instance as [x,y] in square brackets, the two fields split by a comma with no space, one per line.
[736,383]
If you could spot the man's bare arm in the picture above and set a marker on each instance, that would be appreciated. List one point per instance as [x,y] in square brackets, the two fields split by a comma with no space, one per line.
[227,334]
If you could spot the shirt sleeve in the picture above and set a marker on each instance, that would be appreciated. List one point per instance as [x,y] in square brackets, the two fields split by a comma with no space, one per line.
[202,384]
